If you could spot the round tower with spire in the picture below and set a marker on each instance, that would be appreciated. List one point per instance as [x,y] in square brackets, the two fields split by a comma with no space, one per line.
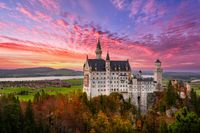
[108,73]
[98,50]
[158,72]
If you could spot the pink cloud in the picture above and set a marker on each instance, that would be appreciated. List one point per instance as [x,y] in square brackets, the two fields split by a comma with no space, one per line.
[50,5]
[71,37]
[119,4]
[37,16]
[3,6]
[3,24]
[134,8]
[23,55]
[42,16]
[26,12]
[87,6]
[62,23]
[149,7]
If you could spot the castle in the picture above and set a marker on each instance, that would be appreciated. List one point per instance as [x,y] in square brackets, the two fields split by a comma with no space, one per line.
[102,77]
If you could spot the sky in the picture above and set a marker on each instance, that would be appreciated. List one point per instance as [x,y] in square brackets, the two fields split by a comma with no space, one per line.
[60,33]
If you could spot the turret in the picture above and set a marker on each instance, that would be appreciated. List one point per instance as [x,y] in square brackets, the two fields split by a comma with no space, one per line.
[140,74]
[98,50]
[158,72]
[107,57]
[108,74]
[107,62]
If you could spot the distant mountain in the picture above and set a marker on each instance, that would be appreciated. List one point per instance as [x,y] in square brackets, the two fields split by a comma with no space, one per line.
[46,71]
[182,75]
[177,75]
[36,72]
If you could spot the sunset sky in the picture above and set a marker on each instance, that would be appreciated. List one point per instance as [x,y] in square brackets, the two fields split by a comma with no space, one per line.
[60,33]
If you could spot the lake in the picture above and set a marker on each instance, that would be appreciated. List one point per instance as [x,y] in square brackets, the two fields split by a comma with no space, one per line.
[195,81]
[41,78]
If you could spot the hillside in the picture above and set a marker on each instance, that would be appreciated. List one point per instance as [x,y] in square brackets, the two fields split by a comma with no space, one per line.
[36,72]
[177,75]
[182,75]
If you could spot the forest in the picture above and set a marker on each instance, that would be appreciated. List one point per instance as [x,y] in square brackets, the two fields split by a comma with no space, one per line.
[75,113]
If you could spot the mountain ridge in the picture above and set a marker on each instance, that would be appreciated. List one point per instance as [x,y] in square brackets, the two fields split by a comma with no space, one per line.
[37,72]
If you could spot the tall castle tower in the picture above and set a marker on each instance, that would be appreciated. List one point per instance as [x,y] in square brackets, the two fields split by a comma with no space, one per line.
[107,73]
[98,50]
[158,72]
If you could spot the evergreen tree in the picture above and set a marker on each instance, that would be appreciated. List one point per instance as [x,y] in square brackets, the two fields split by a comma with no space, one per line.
[171,95]
[11,115]
[29,124]
[195,100]
[186,122]
[163,127]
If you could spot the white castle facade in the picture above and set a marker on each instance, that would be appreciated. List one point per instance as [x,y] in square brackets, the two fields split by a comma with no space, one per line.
[102,77]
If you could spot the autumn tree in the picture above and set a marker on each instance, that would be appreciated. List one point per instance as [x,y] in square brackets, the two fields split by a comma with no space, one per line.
[101,123]
[121,125]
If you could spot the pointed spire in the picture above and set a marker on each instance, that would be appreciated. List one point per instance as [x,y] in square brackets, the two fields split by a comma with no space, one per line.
[86,57]
[98,50]
[107,56]
[157,61]
[99,45]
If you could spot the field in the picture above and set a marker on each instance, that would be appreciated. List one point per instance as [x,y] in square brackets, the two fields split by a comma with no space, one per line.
[25,93]
[196,87]
[198,92]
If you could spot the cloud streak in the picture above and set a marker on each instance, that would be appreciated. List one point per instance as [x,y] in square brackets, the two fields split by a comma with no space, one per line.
[48,33]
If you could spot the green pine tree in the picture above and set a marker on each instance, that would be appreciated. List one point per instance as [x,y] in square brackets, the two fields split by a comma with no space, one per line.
[163,127]
[29,123]
[171,95]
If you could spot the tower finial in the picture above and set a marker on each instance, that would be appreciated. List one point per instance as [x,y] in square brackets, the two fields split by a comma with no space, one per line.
[107,56]
[157,61]
[98,44]
[86,57]
[98,50]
